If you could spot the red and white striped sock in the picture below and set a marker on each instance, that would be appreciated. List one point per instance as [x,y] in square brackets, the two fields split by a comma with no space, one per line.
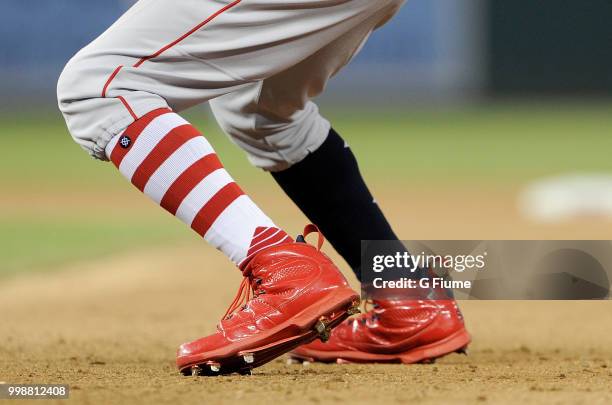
[170,161]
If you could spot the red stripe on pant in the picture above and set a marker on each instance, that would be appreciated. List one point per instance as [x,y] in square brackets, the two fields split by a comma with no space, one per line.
[133,132]
[215,207]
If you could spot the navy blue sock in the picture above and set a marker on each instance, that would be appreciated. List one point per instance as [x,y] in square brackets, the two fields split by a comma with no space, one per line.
[329,189]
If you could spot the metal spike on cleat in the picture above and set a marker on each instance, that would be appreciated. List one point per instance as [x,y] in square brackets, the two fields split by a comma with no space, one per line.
[249,358]
[321,325]
[325,335]
[196,371]
[463,351]
[322,329]
[214,367]
[354,310]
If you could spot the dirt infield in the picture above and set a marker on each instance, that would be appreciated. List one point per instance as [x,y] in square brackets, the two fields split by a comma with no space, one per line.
[109,329]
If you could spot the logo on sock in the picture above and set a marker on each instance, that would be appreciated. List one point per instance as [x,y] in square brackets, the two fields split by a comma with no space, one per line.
[125,142]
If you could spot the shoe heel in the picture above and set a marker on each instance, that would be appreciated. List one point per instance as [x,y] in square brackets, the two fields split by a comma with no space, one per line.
[455,343]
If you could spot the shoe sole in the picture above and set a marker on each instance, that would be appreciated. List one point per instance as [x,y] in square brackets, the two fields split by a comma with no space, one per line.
[455,343]
[314,322]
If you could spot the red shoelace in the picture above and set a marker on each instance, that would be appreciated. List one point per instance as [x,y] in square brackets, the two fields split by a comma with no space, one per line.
[246,292]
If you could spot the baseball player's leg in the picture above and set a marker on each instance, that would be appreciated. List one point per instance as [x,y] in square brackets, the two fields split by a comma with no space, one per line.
[120,96]
[281,130]
[174,55]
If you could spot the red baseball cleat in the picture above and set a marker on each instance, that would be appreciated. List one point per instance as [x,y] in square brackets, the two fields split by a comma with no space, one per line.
[293,294]
[394,332]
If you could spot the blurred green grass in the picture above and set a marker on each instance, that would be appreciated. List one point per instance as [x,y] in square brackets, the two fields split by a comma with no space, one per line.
[38,243]
[503,142]
[498,145]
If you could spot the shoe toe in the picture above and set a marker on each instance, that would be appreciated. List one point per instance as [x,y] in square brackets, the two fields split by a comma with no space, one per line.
[202,345]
